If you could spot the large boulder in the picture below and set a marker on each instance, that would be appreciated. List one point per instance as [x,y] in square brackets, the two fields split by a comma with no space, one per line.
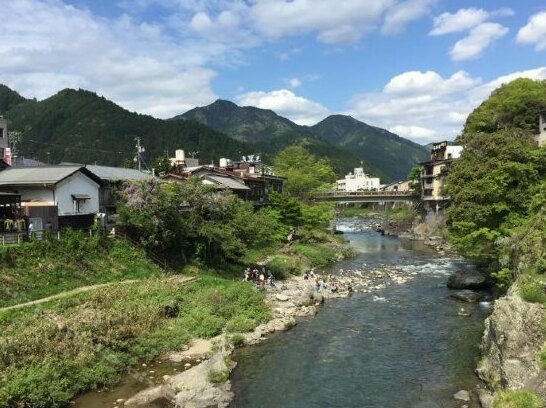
[512,340]
[467,280]
[467,295]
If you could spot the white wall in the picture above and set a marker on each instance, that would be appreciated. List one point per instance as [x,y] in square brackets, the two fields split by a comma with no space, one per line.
[362,183]
[78,183]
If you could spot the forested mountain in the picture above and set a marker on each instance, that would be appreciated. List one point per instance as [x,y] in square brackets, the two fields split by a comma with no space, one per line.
[269,133]
[80,126]
[380,148]
[246,124]
[346,141]
[8,99]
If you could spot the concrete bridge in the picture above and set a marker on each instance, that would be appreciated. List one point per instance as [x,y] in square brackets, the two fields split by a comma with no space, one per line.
[366,197]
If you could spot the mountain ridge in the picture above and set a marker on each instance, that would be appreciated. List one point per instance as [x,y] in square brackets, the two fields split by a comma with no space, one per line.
[384,153]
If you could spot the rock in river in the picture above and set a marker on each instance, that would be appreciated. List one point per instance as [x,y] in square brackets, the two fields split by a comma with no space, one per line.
[467,280]
[466,295]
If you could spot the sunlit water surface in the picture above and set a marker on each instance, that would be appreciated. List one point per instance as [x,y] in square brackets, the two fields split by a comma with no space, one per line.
[402,346]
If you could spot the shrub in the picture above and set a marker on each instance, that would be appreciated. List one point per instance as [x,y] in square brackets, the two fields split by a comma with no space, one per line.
[218,377]
[241,324]
[284,266]
[516,399]
[531,291]
[318,255]
[237,340]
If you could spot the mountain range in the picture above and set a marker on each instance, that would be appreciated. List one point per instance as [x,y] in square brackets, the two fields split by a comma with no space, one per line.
[384,153]
[80,126]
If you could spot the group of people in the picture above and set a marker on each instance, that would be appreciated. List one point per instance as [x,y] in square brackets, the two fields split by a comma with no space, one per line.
[320,284]
[260,276]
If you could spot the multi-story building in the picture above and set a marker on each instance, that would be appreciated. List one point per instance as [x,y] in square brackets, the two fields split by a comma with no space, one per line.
[358,181]
[434,173]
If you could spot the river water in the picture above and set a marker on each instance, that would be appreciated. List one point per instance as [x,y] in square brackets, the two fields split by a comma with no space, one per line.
[401,346]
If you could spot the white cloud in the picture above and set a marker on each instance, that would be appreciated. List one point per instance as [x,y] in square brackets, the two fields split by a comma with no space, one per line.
[48,45]
[477,40]
[415,133]
[426,107]
[294,83]
[403,13]
[333,22]
[464,19]
[284,102]
[481,33]
[419,83]
[534,32]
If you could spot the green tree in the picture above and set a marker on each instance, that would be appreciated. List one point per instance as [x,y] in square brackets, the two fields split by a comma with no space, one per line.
[490,187]
[512,106]
[183,220]
[305,173]
[162,165]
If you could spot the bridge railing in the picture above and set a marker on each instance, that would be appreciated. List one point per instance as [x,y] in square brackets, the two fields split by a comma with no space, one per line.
[328,194]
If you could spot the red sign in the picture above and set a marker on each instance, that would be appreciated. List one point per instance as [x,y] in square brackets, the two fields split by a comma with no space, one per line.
[7,156]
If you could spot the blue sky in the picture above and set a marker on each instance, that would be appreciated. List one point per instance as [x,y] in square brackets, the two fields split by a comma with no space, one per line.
[415,67]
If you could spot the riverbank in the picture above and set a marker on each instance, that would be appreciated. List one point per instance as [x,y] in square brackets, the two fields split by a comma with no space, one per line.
[94,336]
[208,382]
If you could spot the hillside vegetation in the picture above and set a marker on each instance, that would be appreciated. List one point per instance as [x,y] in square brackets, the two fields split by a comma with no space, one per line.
[82,127]
[39,269]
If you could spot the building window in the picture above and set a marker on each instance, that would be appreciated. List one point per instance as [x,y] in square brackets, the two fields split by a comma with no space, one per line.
[2,153]
[1,132]
[79,202]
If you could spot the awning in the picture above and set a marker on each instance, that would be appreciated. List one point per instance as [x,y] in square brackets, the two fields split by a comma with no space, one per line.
[80,197]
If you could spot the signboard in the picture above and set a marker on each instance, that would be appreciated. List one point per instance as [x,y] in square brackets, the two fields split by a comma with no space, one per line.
[7,156]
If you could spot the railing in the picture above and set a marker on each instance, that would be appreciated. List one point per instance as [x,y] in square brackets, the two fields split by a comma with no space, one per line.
[364,194]
[12,238]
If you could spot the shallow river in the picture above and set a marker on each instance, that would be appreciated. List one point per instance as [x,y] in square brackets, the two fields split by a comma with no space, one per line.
[401,346]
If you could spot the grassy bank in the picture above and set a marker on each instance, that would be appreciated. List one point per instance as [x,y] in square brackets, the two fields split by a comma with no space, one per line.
[39,269]
[51,353]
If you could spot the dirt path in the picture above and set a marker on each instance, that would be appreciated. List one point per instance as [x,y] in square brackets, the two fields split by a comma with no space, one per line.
[68,293]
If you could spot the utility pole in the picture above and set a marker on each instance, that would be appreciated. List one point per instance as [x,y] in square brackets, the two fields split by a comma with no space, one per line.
[140,150]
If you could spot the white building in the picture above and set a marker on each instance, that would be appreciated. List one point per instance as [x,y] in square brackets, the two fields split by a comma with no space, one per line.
[358,181]
[180,160]
[73,190]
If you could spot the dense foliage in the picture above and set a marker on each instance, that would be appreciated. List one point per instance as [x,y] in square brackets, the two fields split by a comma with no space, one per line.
[496,186]
[305,173]
[490,187]
[512,106]
[183,220]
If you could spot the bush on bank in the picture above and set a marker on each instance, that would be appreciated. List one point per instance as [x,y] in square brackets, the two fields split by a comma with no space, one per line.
[517,399]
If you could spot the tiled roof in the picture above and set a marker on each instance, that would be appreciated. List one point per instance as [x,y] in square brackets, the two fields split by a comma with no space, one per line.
[117,173]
